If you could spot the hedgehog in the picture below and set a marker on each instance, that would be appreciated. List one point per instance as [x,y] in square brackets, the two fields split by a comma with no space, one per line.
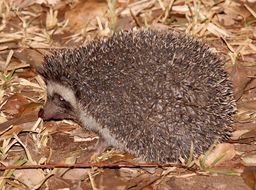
[154,94]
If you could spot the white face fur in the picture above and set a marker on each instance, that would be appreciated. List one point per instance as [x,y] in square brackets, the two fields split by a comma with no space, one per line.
[66,93]
[63,104]
[62,101]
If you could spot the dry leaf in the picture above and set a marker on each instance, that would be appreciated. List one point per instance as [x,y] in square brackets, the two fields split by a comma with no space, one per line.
[14,104]
[250,134]
[69,160]
[76,174]
[216,30]
[51,19]
[50,2]
[249,177]
[237,134]
[30,177]
[250,159]
[240,79]
[221,153]
[85,14]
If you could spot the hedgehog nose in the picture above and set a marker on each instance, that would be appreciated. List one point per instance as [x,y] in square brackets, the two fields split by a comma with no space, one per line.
[41,113]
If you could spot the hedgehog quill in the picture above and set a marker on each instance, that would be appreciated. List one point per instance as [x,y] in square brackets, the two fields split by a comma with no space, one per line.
[150,93]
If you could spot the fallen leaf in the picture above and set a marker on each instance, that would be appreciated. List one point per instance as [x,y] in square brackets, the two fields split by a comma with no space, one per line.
[27,113]
[249,177]
[221,153]
[68,160]
[217,30]
[240,80]
[76,174]
[30,108]
[249,159]
[251,134]
[237,134]
[2,119]
[14,104]
[29,177]
[85,14]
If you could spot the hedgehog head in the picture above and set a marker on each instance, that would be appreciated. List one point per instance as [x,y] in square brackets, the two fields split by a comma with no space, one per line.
[61,83]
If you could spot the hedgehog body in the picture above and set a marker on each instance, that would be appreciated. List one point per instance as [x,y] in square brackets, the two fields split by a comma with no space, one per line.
[153,94]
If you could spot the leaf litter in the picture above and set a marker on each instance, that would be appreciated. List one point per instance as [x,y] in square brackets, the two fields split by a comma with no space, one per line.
[29,29]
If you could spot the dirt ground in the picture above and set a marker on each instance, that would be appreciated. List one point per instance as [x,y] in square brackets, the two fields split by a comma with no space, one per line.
[53,155]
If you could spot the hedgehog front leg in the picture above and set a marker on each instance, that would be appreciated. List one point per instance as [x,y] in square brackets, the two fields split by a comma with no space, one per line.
[95,150]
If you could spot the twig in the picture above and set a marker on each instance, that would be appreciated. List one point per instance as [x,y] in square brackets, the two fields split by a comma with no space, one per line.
[89,165]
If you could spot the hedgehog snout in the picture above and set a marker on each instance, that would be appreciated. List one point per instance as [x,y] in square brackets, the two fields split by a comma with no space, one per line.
[47,113]
[57,111]
[41,113]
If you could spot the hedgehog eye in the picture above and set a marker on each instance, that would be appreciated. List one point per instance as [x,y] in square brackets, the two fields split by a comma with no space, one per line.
[61,102]
[58,98]
[61,99]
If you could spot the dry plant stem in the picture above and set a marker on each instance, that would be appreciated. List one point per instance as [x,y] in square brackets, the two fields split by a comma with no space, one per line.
[167,11]
[112,14]
[137,22]
[34,48]
[98,165]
